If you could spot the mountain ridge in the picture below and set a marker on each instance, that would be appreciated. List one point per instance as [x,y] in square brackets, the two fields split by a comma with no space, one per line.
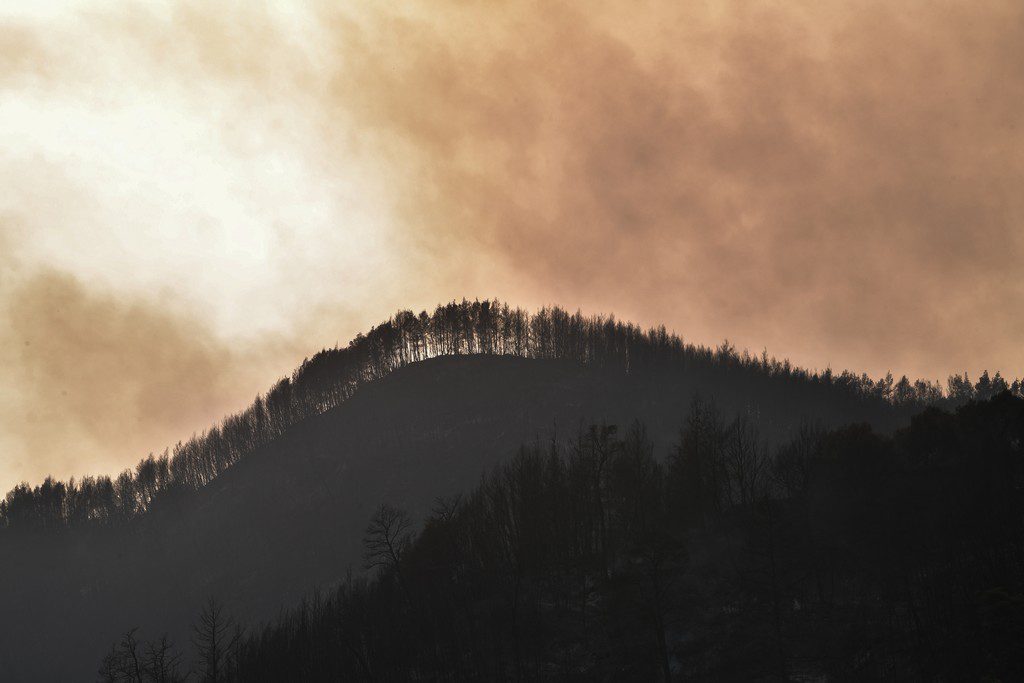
[467,328]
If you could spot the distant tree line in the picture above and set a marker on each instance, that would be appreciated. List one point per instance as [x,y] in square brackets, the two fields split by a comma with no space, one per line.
[840,554]
[470,327]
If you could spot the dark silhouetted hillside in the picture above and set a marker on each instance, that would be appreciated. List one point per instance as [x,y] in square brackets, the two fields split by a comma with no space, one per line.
[838,555]
[274,502]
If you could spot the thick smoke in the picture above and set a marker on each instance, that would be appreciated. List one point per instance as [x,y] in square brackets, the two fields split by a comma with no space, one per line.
[837,182]
[93,381]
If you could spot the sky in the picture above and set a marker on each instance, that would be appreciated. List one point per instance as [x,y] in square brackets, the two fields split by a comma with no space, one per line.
[196,196]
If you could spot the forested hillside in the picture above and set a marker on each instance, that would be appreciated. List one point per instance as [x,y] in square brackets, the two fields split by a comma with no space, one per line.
[840,555]
[274,502]
[490,328]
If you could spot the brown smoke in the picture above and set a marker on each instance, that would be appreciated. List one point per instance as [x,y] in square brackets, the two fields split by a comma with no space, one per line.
[97,381]
[838,182]
[840,185]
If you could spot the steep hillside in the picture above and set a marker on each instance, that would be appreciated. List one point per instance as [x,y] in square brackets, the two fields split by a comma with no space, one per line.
[290,515]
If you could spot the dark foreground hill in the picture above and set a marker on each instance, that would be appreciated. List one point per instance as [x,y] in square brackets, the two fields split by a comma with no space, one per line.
[842,555]
[290,516]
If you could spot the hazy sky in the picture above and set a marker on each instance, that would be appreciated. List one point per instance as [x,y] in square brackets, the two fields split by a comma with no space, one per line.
[196,195]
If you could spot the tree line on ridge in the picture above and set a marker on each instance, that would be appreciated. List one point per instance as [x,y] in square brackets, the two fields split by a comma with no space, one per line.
[470,327]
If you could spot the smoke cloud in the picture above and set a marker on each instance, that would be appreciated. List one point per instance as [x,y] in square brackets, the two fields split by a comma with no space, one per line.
[94,380]
[200,195]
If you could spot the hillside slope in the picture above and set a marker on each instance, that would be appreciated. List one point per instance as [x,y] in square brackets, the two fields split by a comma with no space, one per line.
[291,515]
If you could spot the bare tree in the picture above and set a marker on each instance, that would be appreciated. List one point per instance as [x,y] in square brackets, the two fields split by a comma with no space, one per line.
[122,663]
[161,662]
[745,461]
[386,538]
[216,637]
